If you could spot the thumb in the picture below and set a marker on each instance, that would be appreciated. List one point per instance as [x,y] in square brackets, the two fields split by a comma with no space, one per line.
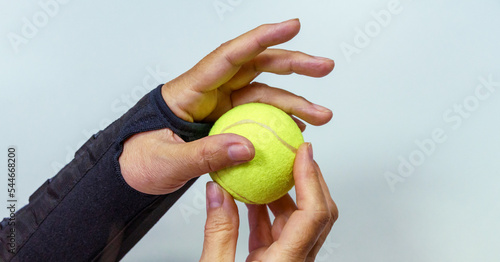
[209,154]
[221,227]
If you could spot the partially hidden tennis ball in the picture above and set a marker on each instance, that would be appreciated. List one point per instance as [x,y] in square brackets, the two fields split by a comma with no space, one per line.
[275,137]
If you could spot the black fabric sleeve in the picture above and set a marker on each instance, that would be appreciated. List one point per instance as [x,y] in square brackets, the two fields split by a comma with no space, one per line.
[87,212]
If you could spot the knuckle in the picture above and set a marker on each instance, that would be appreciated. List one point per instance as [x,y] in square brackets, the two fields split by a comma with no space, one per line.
[208,159]
[224,51]
[330,217]
[264,27]
[298,53]
[222,47]
[301,98]
[293,252]
[334,211]
[219,226]
[323,218]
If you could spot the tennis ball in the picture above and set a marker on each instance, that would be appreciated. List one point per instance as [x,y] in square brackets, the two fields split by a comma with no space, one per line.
[275,137]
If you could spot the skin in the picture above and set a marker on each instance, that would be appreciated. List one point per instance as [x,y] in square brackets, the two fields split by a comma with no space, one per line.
[298,231]
[160,162]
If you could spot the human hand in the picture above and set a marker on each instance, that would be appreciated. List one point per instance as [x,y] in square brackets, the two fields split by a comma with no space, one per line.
[297,233]
[159,162]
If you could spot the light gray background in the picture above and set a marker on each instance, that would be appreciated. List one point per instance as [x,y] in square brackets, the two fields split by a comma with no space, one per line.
[78,72]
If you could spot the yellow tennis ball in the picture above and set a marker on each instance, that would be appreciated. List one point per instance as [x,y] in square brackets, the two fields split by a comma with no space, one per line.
[275,137]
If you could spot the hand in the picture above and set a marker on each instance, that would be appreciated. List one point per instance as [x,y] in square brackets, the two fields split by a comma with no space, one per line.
[298,232]
[159,162]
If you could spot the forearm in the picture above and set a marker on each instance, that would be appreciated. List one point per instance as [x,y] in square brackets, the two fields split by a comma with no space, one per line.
[87,210]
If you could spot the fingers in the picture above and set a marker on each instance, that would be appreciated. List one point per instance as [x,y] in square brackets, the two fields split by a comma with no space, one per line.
[331,204]
[305,225]
[260,227]
[204,92]
[188,160]
[262,234]
[220,65]
[300,124]
[282,209]
[310,196]
[221,228]
[283,62]
[159,162]
[332,207]
[286,101]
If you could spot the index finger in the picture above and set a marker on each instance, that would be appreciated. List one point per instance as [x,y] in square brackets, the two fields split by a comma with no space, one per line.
[305,225]
[223,63]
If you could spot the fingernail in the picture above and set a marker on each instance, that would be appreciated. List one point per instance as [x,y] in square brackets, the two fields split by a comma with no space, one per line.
[321,108]
[239,152]
[323,59]
[215,197]
[290,20]
[310,150]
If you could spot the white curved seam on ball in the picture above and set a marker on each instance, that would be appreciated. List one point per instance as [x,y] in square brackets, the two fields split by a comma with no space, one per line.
[250,121]
[225,186]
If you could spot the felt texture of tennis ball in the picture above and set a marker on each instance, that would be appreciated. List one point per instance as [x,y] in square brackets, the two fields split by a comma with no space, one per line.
[275,137]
